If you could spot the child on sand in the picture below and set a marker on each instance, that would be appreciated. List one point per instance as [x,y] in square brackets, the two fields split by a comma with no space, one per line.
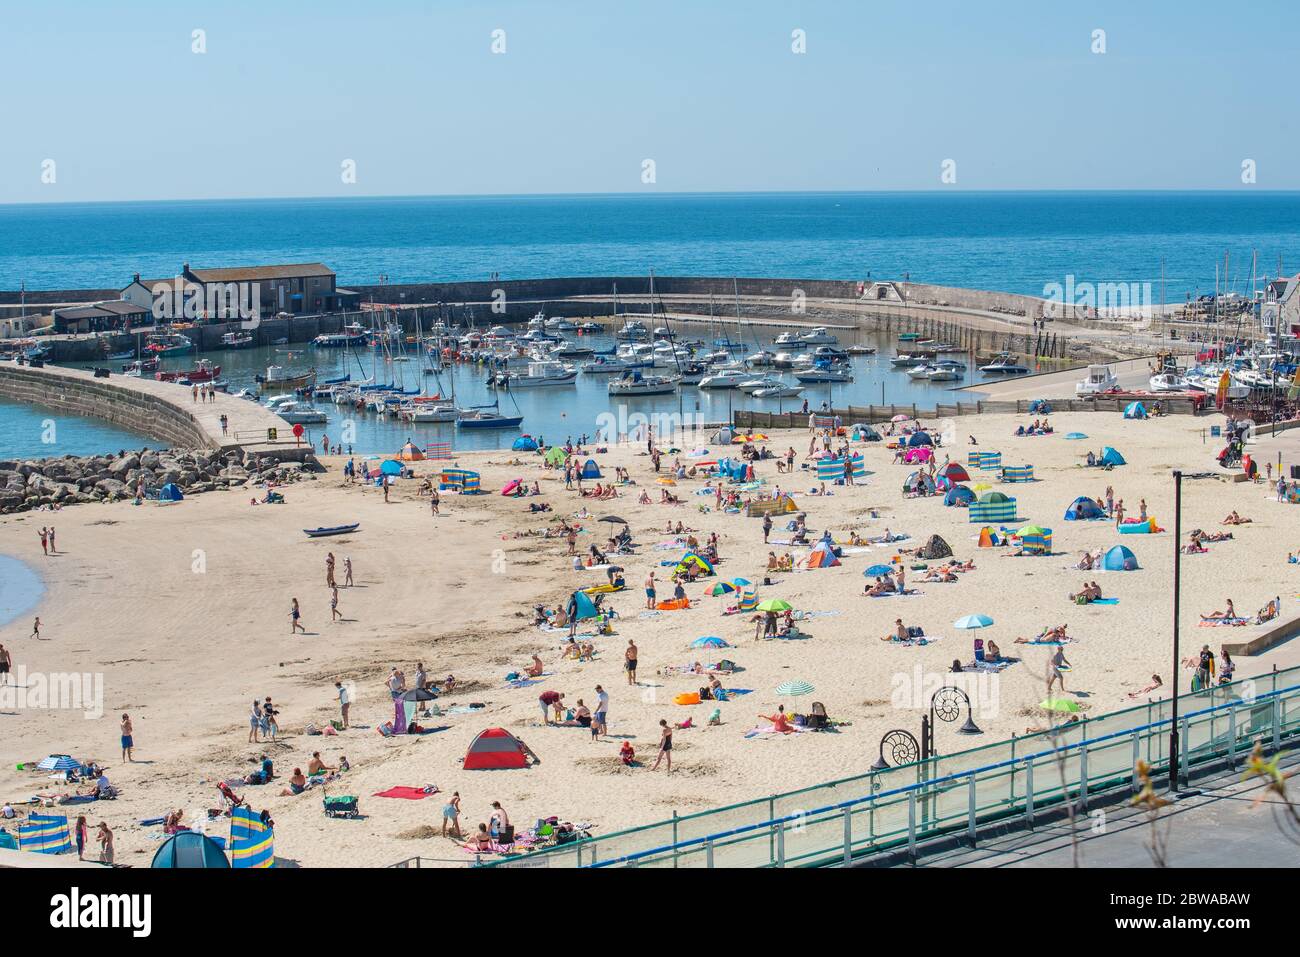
[295,623]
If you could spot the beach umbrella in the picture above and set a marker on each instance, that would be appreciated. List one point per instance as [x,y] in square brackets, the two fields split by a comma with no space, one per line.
[973,621]
[59,762]
[1075,435]
[613,520]
[742,582]
[1060,704]
[419,694]
[981,486]
[792,689]
[709,641]
[1032,530]
[724,588]
[775,604]
[877,570]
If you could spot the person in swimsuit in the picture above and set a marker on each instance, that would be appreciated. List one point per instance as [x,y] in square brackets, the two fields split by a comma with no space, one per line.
[629,661]
[451,812]
[482,841]
[329,570]
[36,628]
[665,745]
[254,721]
[297,784]
[128,742]
[347,573]
[105,837]
[1054,674]
[335,615]
[83,833]
[5,663]
[295,616]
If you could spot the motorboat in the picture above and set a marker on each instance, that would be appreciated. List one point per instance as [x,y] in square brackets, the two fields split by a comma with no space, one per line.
[943,373]
[140,366]
[725,378]
[1171,382]
[921,371]
[203,371]
[277,377]
[352,335]
[294,411]
[608,365]
[760,359]
[633,331]
[635,383]
[587,327]
[1004,364]
[817,337]
[861,350]
[1100,379]
[238,340]
[824,372]
[788,340]
[785,360]
[543,372]
[168,344]
[750,386]
[572,350]
[781,391]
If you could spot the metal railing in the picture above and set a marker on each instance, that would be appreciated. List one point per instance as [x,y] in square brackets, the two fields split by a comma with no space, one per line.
[897,807]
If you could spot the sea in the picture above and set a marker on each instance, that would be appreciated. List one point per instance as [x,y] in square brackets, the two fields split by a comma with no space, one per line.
[1009,241]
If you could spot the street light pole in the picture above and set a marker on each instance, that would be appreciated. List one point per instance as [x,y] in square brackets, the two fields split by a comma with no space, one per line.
[1178,568]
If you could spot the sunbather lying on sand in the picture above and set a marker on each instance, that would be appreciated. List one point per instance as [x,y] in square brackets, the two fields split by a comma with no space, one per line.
[939,575]
[1047,634]
[1228,612]
[1235,519]
[1141,692]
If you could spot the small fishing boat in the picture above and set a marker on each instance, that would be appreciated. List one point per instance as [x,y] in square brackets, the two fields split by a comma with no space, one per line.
[238,340]
[331,530]
[634,383]
[167,344]
[203,371]
[1004,364]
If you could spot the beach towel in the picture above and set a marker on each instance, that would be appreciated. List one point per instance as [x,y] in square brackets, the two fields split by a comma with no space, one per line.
[407,793]
[675,604]
[1217,622]
[1104,601]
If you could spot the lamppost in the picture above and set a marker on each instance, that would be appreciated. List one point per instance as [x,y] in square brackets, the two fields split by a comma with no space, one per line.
[1178,569]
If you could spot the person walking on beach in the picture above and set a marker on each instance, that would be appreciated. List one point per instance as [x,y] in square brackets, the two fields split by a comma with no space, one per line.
[82,835]
[105,838]
[347,572]
[335,614]
[600,721]
[665,745]
[272,726]
[6,662]
[433,501]
[225,423]
[345,702]
[650,590]
[329,570]
[1054,673]
[254,721]
[767,527]
[128,739]
[45,540]
[629,661]
[451,812]
[295,619]
[36,628]
[1110,500]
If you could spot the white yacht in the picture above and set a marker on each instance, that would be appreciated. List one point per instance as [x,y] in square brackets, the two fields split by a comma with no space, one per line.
[824,373]
[1100,379]
[818,337]
[542,372]
[789,340]
[725,378]
[297,413]
[750,386]
[781,391]
[921,371]
[635,383]
[760,359]
[785,360]
[608,365]
[633,331]
[1170,382]
[428,412]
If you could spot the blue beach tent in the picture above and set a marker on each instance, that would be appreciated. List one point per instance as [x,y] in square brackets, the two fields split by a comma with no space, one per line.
[919,438]
[171,492]
[590,470]
[1111,457]
[1135,410]
[190,849]
[1082,509]
[959,495]
[583,606]
[1120,559]
[525,443]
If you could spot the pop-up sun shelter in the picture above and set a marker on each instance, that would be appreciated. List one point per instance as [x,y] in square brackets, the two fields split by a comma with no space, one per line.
[1120,559]
[1083,509]
[923,478]
[525,443]
[555,455]
[1135,410]
[495,749]
[583,606]
[690,558]
[410,452]
[171,492]
[934,547]
[190,849]
[1110,456]
[955,472]
[590,470]
[919,438]
[959,495]
[821,556]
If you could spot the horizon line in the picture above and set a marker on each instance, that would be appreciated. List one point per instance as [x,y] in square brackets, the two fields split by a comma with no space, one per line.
[647,194]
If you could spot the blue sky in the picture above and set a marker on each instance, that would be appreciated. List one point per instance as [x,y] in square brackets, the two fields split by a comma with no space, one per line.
[589,89]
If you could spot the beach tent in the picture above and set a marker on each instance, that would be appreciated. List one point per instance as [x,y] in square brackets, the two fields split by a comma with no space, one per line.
[8,842]
[934,547]
[920,454]
[690,558]
[919,438]
[525,443]
[1111,457]
[1120,559]
[987,539]
[459,480]
[495,749]
[723,436]
[590,470]
[959,495]
[1082,509]
[1135,410]
[924,479]
[252,843]
[190,849]
[171,492]
[733,469]
[955,472]
[993,507]
[410,452]
[865,433]
[555,455]
[1036,540]
[1018,473]
[391,467]
[45,834]
[1148,527]
[821,556]
[584,607]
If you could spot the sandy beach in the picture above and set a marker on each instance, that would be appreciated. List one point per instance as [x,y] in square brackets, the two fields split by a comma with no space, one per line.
[184,610]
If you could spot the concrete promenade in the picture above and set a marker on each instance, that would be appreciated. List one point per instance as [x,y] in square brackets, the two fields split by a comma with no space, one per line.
[163,410]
